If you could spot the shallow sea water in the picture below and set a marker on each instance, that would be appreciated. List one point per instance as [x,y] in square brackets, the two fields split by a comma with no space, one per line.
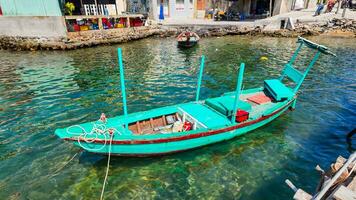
[42,91]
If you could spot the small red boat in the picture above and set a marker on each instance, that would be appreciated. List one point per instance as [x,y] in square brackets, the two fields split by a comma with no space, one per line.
[187,39]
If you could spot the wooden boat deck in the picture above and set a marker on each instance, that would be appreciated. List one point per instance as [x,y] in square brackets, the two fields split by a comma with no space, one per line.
[205,115]
[212,113]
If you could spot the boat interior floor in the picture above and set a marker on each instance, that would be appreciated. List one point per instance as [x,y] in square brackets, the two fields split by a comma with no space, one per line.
[214,112]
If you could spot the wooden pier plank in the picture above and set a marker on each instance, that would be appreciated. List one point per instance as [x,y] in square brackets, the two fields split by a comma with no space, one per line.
[344,193]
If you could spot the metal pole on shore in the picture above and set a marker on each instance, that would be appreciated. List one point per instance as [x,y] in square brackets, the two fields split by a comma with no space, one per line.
[346,2]
[122,82]
[200,77]
[96,7]
[339,2]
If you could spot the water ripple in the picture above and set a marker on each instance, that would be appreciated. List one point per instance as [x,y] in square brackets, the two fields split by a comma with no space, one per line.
[41,91]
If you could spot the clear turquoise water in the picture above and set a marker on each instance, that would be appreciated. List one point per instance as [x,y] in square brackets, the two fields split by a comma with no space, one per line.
[41,91]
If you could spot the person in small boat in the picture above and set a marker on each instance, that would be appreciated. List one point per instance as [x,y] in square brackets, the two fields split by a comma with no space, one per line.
[187,35]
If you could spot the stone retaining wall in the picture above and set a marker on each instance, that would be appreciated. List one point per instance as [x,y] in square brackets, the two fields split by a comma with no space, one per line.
[30,26]
[83,39]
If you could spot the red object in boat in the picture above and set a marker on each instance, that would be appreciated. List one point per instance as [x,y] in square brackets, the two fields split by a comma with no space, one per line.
[187,126]
[241,116]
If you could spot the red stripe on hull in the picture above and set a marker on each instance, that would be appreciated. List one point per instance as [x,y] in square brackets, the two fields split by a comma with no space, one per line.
[187,137]
[145,154]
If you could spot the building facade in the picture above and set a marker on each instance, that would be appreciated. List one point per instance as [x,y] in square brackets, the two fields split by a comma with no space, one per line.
[51,18]
[190,9]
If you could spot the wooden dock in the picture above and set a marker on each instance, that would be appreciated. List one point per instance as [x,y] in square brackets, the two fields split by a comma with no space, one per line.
[338,183]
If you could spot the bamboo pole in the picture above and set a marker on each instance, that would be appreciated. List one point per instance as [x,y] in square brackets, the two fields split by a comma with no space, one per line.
[200,77]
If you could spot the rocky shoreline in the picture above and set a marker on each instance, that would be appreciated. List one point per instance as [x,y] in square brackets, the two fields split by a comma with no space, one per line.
[75,40]
[344,27]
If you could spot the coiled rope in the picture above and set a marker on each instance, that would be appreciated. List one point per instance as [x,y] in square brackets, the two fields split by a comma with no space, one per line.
[97,129]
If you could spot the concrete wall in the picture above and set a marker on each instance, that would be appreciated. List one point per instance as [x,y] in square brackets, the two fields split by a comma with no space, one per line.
[30,8]
[153,10]
[120,6]
[282,6]
[33,26]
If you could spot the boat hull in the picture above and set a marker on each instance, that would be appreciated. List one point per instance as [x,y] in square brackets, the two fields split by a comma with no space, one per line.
[169,145]
[184,44]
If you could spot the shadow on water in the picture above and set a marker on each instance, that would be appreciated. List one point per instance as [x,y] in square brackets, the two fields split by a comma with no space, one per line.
[188,53]
[350,141]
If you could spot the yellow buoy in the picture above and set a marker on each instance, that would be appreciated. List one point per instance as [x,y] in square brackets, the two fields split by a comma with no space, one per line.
[263,58]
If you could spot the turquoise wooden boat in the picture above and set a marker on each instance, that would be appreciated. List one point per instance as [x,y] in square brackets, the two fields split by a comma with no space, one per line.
[191,125]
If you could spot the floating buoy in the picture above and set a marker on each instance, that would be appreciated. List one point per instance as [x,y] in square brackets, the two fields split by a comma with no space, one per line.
[263,58]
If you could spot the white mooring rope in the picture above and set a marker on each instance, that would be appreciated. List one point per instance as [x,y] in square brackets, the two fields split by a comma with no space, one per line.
[59,169]
[96,130]
[107,168]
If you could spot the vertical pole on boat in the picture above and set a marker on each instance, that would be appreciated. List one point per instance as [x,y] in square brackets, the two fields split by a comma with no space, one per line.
[296,53]
[238,91]
[200,77]
[311,64]
[122,82]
